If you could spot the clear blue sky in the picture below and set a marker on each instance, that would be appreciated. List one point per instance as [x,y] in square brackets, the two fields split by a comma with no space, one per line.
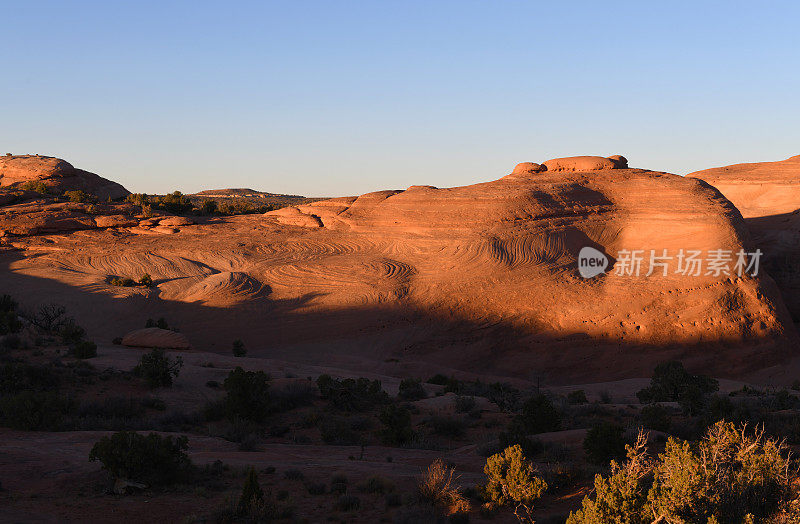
[344,97]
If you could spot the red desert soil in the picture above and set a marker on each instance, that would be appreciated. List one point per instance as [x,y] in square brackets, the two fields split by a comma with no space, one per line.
[486,272]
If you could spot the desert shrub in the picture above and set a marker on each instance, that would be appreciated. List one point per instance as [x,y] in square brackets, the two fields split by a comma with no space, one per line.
[338,431]
[84,349]
[376,484]
[9,320]
[783,400]
[538,415]
[506,396]
[347,503]
[411,389]
[464,404]
[79,196]
[445,426]
[511,481]
[10,342]
[174,202]
[396,423]
[161,323]
[672,383]
[34,410]
[37,186]
[247,395]
[252,494]
[209,207]
[435,487]
[139,199]
[316,488]
[239,430]
[728,476]
[292,396]
[655,416]
[146,280]
[393,499]
[350,394]
[110,413]
[577,397]
[122,282]
[70,332]
[439,379]
[18,376]
[293,474]
[152,459]
[153,403]
[238,348]
[158,369]
[604,442]
[620,497]
[339,484]
[50,318]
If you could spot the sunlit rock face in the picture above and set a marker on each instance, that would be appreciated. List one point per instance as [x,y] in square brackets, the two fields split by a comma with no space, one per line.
[482,278]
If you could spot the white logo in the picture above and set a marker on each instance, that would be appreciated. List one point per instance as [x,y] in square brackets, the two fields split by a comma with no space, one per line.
[591,262]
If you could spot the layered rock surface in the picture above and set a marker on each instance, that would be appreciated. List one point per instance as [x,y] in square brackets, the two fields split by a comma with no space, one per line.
[768,196]
[480,278]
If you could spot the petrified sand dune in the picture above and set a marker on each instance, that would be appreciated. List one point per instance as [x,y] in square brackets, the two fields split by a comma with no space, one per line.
[57,174]
[768,196]
[758,189]
[480,278]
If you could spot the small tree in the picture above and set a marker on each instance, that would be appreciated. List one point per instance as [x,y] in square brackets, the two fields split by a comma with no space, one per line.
[78,196]
[411,389]
[158,369]
[252,494]
[435,487]
[146,280]
[538,416]
[153,460]
[9,320]
[247,395]
[238,348]
[671,383]
[577,397]
[209,207]
[84,349]
[731,475]
[620,498]
[604,442]
[511,481]
[396,425]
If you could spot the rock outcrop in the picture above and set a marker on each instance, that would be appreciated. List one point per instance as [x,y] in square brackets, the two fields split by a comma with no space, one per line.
[768,196]
[57,175]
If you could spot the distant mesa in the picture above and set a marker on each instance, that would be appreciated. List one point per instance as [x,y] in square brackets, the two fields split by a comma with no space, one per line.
[241,193]
[57,175]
